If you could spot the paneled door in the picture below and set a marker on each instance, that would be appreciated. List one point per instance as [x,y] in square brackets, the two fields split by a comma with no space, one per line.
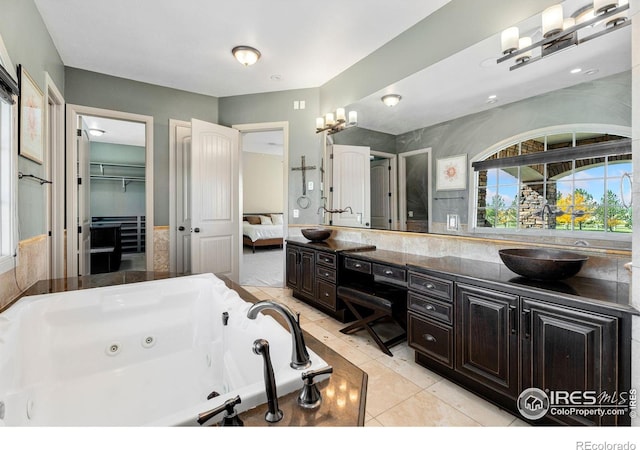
[183,198]
[381,194]
[84,201]
[215,227]
[351,186]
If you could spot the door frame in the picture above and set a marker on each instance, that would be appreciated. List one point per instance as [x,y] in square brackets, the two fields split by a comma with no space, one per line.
[268,126]
[54,167]
[402,186]
[393,184]
[73,112]
[173,149]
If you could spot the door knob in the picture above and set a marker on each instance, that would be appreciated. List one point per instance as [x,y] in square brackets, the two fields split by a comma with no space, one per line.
[180,228]
[197,230]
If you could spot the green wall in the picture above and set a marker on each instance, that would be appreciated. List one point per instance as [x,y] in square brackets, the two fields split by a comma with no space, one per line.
[103,91]
[29,44]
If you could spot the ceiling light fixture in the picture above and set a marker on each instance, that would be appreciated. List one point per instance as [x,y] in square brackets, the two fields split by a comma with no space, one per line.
[96,132]
[576,70]
[336,122]
[391,99]
[560,33]
[246,55]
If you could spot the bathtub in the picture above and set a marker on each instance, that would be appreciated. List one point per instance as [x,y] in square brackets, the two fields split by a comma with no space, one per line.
[140,354]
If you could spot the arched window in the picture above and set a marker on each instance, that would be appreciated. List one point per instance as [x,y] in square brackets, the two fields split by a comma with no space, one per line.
[569,180]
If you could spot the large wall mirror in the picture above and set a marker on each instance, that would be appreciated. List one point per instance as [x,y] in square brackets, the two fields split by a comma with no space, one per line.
[468,103]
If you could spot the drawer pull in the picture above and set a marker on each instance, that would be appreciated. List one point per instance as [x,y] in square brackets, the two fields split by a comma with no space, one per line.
[326,274]
[388,272]
[429,307]
[326,259]
[428,285]
[357,265]
[429,338]
[326,294]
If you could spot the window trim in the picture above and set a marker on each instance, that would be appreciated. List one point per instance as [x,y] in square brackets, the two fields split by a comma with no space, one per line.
[9,261]
[619,130]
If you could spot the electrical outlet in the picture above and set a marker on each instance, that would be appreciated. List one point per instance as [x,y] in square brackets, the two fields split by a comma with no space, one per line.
[296,213]
[310,186]
[410,213]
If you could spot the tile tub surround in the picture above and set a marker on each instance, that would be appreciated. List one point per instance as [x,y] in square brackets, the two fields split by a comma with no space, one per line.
[32,266]
[161,248]
[604,264]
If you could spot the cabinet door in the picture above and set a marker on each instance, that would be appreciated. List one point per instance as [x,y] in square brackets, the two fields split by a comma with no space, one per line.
[486,338]
[307,278]
[569,350]
[292,267]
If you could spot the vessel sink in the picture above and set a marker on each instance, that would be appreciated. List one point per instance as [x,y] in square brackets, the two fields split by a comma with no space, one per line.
[542,264]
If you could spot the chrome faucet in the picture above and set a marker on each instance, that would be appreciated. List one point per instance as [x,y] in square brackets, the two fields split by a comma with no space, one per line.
[299,354]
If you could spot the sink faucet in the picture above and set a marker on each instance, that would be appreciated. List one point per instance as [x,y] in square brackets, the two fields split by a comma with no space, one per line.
[299,355]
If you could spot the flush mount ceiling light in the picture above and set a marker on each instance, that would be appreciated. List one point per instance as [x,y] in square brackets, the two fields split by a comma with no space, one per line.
[391,99]
[96,132]
[246,55]
[560,32]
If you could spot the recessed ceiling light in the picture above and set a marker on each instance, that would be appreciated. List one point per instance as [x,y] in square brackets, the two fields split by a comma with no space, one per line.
[576,70]
[96,132]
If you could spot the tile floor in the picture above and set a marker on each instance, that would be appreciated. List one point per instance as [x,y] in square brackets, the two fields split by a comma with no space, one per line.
[400,392]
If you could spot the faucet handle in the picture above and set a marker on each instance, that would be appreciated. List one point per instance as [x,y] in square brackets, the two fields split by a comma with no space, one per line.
[309,396]
[231,417]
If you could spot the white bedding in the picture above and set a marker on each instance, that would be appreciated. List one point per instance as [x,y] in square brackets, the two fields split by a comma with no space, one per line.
[255,232]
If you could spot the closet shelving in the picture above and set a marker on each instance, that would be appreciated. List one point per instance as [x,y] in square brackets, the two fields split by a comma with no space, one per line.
[125,179]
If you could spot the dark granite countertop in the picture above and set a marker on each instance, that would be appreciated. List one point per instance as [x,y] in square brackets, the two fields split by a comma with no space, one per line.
[601,292]
[331,245]
[343,394]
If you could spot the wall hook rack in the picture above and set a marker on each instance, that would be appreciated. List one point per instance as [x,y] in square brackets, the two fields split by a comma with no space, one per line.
[41,180]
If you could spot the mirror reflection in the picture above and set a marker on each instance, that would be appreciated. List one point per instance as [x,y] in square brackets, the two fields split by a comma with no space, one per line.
[486,110]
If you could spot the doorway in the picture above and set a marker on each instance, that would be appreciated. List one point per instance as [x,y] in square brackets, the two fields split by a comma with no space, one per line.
[414,182]
[109,191]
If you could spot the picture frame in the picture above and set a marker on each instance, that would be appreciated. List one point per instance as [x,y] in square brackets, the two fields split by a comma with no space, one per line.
[451,173]
[30,118]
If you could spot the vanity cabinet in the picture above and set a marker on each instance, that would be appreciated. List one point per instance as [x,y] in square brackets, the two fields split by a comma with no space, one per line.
[301,271]
[571,350]
[498,340]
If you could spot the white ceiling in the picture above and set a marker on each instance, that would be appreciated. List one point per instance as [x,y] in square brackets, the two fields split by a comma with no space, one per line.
[121,132]
[187,45]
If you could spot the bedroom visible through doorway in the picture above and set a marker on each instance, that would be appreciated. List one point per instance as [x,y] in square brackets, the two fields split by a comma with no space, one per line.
[263,226]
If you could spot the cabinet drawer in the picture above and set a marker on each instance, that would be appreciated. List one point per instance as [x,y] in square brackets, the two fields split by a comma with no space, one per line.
[326,294]
[431,307]
[393,273]
[326,259]
[326,274]
[437,287]
[357,265]
[431,339]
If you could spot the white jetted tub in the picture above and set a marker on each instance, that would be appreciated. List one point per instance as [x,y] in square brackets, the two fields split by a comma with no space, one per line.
[146,353]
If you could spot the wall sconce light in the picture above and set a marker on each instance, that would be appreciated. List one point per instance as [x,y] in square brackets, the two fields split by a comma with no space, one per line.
[336,122]
[246,55]
[391,99]
[560,33]
[96,132]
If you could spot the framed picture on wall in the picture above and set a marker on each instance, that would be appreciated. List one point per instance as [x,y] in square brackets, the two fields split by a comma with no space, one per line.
[31,118]
[451,173]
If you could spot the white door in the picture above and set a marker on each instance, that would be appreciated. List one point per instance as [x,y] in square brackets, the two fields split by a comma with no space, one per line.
[351,186]
[84,201]
[380,194]
[183,198]
[215,200]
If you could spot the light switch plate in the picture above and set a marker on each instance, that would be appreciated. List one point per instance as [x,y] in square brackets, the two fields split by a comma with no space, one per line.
[310,186]
[296,213]
[452,222]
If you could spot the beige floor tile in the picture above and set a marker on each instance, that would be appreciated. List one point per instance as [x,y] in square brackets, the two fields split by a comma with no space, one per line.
[372,423]
[470,404]
[336,344]
[403,363]
[385,388]
[331,324]
[422,410]
[363,342]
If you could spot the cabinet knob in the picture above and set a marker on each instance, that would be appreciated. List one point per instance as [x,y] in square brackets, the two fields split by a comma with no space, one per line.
[388,272]
[326,294]
[429,338]
[326,259]
[429,307]
[357,265]
[326,274]
[429,285]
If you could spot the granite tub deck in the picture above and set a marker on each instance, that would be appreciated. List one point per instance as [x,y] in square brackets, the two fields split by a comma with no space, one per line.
[343,394]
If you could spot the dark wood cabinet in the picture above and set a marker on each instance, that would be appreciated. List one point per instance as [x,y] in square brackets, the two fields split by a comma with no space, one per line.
[487,338]
[301,271]
[572,350]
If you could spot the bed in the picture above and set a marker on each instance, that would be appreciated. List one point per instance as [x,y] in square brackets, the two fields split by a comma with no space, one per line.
[262,230]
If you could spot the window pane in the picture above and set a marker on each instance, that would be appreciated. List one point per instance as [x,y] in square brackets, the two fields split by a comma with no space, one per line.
[482,198]
[483,221]
[508,176]
[618,217]
[619,165]
[532,173]
[560,171]
[508,152]
[594,138]
[532,146]
[492,177]
[559,141]
[590,168]
[530,205]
